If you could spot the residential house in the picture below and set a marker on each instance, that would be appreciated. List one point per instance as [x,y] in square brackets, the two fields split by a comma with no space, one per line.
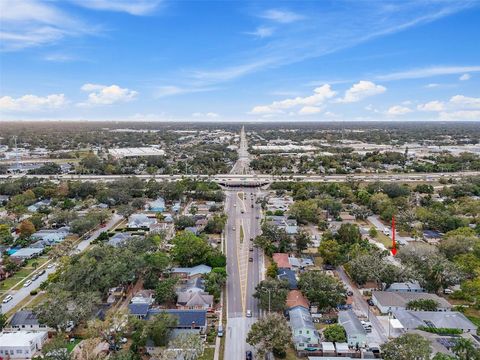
[25,320]
[282,222]
[176,206]
[409,286]
[305,335]
[387,301]
[356,334]
[300,263]
[192,229]
[196,284]
[196,271]
[195,320]
[289,276]
[346,217]
[194,300]
[432,237]
[281,260]
[52,236]
[411,320]
[157,205]
[21,344]
[143,297]
[27,253]
[119,239]
[38,205]
[296,298]
[137,221]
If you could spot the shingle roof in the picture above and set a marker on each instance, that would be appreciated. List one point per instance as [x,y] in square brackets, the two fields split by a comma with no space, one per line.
[281,260]
[300,318]
[296,298]
[439,319]
[401,299]
[139,309]
[350,322]
[289,275]
[24,317]
[185,317]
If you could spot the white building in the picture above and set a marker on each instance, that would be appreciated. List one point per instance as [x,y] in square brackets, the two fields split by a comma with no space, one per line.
[21,344]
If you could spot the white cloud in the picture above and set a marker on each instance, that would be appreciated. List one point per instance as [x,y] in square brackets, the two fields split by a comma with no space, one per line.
[208,115]
[171,90]
[32,102]
[28,23]
[428,72]
[309,110]
[262,32]
[398,110]
[461,115]
[320,95]
[432,85]
[106,95]
[132,7]
[465,77]
[281,16]
[465,102]
[362,90]
[432,106]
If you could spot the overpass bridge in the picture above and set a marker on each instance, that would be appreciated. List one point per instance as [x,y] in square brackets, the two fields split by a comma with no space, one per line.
[255,180]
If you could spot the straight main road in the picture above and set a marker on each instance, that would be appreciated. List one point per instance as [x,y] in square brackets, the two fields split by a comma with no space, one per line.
[244,264]
[19,295]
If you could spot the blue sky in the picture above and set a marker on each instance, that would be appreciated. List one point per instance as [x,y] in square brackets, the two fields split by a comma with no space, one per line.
[239,60]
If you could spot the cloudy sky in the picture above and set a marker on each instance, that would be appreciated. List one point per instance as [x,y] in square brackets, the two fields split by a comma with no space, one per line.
[239,60]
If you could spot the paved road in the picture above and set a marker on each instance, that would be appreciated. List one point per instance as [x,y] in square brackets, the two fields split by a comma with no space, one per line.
[21,294]
[242,165]
[243,275]
[375,220]
[360,307]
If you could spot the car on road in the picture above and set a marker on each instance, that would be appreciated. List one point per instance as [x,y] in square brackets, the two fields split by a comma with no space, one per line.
[27,283]
[248,355]
[249,313]
[7,299]
[220,331]
[370,302]
[41,272]
[35,277]
[251,249]
[350,293]
[250,259]
[233,228]
[234,205]
[242,211]
[257,217]
[252,206]
[49,266]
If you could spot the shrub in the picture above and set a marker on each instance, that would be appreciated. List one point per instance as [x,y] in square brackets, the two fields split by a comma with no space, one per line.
[33,292]
[440,331]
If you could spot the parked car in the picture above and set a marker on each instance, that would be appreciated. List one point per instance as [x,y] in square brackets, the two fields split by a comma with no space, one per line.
[27,283]
[220,331]
[248,355]
[370,302]
[7,299]
[249,313]
[41,272]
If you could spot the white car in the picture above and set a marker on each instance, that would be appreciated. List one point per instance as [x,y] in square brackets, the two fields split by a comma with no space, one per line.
[249,313]
[49,266]
[7,299]
[27,283]
[386,231]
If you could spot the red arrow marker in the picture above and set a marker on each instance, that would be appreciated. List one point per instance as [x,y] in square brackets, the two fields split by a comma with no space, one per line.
[394,244]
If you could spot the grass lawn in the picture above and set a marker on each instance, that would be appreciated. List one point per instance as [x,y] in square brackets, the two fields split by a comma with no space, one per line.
[384,239]
[242,235]
[71,345]
[208,354]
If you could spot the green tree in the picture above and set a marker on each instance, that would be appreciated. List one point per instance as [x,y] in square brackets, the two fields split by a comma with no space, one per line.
[335,333]
[373,232]
[3,321]
[422,305]
[331,252]
[322,290]
[464,349]
[407,347]
[165,291]
[159,328]
[302,241]
[270,334]
[5,234]
[272,294]
[189,250]
[214,283]
[272,270]
[348,234]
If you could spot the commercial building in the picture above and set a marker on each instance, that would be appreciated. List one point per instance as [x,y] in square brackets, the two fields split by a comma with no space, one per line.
[387,301]
[21,344]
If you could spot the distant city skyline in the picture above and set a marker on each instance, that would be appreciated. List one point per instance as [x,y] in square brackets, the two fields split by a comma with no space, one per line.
[158,60]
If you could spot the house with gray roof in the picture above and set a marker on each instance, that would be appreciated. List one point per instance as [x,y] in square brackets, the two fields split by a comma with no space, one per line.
[356,335]
[411,320]
[52,236]
[27,253]
[138,221]
[387,301]
[194,300]
[305,335]
[25,320]
[119,239]
[191,272]
[409,286]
